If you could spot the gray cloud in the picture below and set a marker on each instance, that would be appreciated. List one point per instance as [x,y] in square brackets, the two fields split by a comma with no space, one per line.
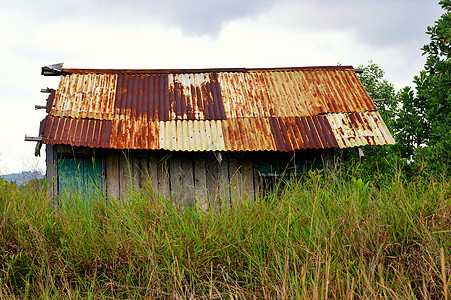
[194,18]
[375,23]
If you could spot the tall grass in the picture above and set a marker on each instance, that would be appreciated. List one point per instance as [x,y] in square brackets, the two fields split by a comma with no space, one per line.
[317,237]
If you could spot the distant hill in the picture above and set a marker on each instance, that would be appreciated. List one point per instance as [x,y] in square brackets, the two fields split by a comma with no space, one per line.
[22,177]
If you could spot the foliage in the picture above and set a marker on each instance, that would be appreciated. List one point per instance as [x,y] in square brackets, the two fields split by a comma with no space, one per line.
[35,185]
[424,121]
[321,237]
[380,160]
[373,79]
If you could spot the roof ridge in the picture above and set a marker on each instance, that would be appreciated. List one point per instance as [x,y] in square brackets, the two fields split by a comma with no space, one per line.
[201,70]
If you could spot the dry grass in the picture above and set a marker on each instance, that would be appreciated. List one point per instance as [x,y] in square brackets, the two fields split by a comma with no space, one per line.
[319,237]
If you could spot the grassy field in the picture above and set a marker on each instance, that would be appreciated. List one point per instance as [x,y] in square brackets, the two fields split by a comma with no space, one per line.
[318,237]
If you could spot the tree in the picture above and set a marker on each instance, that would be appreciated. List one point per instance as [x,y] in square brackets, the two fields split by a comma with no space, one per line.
[378,87]
[381,160]
[424,121]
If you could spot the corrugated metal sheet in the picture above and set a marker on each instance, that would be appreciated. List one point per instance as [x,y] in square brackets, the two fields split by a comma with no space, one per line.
[192,135]
[237,134]
[213,96]
[302,133]
[246,110]
[85,96]
[169,97]
[293,94]
[251,134]
[134,134]
[366,128]
[77,132]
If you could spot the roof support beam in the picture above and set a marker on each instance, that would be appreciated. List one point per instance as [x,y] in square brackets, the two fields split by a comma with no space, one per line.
[33,138]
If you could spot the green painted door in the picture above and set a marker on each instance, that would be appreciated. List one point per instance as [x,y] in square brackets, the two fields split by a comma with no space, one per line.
[81,176]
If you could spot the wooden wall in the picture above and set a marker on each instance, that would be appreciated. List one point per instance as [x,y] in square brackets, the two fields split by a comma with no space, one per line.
[201,178]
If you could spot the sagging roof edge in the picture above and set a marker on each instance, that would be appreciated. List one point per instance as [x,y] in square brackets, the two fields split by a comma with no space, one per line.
[51,71]
[199,151]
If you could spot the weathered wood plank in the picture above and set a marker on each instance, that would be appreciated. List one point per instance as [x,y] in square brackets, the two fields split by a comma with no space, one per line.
[112,174]
[134,170]
[200,182]
[175,175]
[124,174]
[212,180]
[235,180]
[224,183]
[187,180]
[152,171]
[258,191]
[248,180]
[163,175]
[33,138]
[142,173]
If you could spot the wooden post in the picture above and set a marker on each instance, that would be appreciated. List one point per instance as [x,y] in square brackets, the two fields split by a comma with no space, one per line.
[50,171]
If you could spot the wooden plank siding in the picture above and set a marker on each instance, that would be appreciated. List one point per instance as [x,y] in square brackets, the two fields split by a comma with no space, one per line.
[200,181]
[124,174]
[203,179]
[163,178]
[152,171]
[112,175]
[235,180]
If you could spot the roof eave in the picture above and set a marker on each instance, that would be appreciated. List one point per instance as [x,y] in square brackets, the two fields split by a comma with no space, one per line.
[53,70]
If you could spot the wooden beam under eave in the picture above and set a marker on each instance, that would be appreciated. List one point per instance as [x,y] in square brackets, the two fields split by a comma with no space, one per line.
[33,138]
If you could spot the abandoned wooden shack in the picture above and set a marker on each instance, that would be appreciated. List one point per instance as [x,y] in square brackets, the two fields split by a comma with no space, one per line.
[199,134]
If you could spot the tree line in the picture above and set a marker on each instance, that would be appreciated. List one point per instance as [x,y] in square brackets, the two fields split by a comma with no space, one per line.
[419,117]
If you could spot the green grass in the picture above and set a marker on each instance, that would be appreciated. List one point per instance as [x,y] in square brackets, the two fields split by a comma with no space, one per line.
[318,237]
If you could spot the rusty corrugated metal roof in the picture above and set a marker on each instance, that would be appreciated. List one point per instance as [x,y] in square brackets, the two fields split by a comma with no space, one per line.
[85,96]
[366,128]
[77,132]
[210,96]
[231,109]
[237,134]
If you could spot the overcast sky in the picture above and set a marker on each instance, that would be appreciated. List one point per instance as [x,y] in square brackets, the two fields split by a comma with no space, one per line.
[192,34]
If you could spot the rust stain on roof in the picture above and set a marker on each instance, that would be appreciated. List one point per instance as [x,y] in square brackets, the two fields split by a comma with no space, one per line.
[85,96]
[213,109]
